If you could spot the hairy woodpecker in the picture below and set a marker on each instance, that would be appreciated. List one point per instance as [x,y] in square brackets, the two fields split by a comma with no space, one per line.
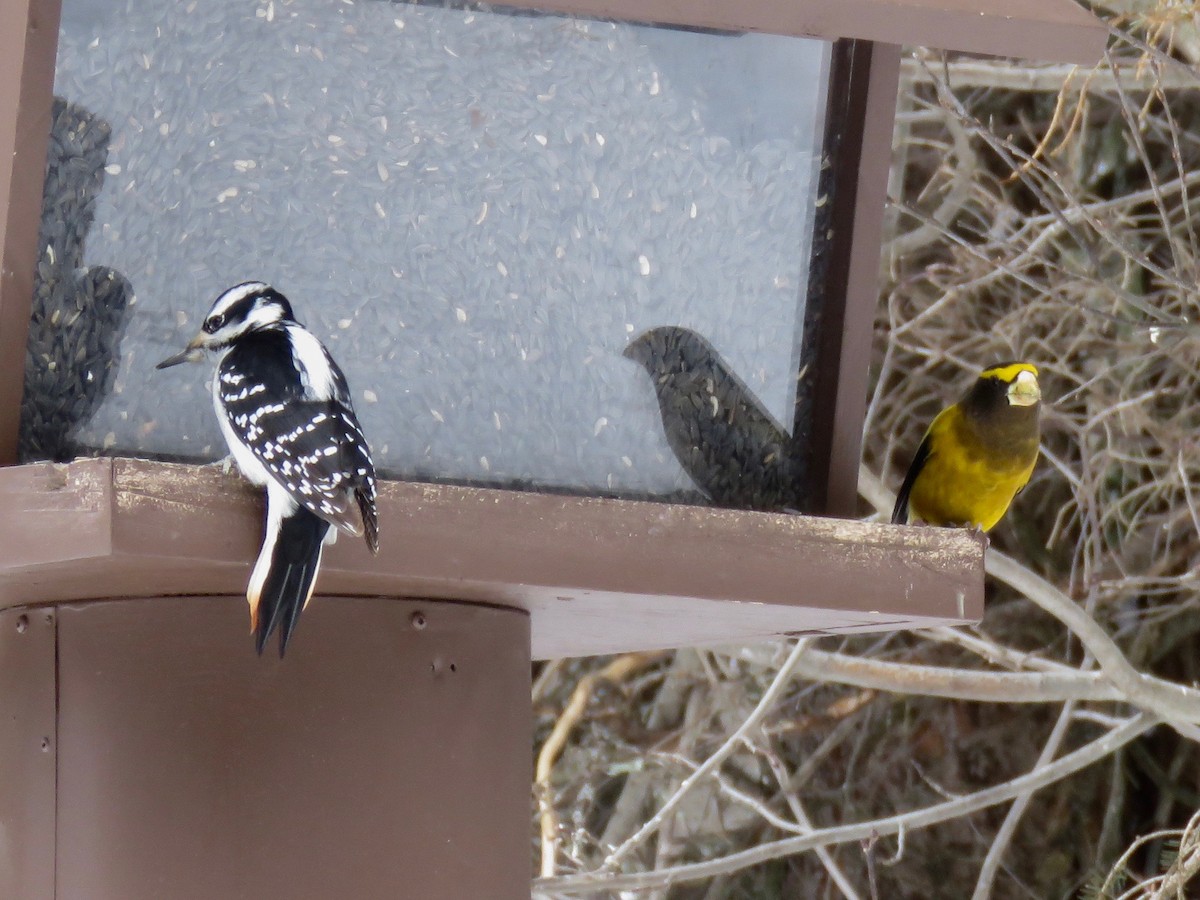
[285,411]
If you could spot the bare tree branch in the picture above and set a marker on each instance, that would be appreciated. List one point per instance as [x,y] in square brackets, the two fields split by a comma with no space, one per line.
[572,885]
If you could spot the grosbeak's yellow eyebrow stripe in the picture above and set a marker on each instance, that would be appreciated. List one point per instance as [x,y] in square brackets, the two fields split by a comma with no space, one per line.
[1009,372]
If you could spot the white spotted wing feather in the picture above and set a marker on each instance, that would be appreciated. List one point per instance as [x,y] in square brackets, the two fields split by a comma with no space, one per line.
[285,404]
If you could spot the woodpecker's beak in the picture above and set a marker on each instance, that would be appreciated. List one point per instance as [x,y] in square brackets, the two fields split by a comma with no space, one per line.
[193,352]
[1024,391]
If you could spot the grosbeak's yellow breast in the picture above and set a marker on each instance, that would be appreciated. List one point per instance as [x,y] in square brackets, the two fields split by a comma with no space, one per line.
[964,482]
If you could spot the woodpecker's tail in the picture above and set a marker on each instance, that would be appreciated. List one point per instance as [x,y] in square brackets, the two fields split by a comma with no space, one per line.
[286,571]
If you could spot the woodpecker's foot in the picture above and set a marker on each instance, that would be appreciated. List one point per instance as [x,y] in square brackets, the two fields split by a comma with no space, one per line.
[225,465]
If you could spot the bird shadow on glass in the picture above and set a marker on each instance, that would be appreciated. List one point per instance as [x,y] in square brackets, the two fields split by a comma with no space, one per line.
[78,312]
[733,450]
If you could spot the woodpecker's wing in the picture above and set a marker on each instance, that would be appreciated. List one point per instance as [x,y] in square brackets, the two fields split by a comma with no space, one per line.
[301,428]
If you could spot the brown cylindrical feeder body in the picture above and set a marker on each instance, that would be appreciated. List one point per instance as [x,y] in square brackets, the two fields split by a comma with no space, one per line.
[147,752]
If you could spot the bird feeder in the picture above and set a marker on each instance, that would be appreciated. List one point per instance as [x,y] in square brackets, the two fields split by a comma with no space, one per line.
[602,278]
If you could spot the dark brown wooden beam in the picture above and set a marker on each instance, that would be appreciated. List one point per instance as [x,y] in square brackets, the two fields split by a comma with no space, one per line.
[861,116]
[28,42]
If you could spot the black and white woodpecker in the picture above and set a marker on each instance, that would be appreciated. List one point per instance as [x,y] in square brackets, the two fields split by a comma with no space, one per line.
[285,411]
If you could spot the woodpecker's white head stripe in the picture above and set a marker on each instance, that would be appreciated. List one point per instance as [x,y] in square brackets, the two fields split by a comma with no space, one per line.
[241,310]
[230,298]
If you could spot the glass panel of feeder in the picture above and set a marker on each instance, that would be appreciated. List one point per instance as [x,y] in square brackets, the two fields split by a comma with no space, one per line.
[549,253]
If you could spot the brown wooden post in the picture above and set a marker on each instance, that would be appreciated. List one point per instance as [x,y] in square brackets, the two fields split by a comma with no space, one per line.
[28,39]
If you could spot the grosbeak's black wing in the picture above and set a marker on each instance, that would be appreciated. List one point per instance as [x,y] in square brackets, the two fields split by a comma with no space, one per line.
[900,512]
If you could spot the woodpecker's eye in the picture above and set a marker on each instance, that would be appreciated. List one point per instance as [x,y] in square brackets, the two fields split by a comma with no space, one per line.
[212,323]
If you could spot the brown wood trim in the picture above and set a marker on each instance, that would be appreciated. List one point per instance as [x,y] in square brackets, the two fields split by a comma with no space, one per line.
[28,43]
[596,575]
[1051,30]
[858,141]
[28,753]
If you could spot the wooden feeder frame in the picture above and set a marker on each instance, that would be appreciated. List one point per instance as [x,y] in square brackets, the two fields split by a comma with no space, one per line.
[148,753]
